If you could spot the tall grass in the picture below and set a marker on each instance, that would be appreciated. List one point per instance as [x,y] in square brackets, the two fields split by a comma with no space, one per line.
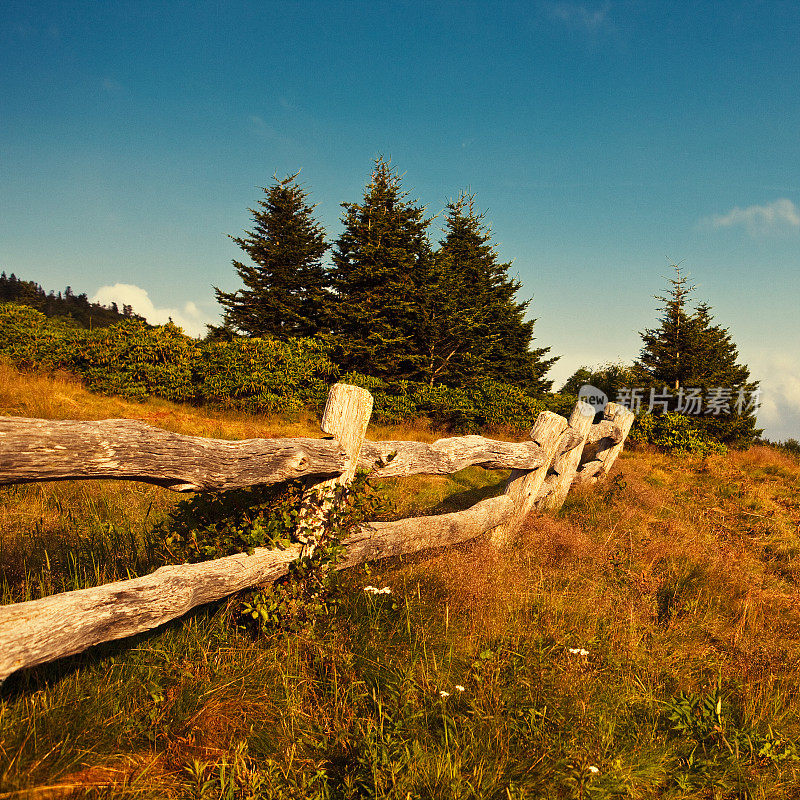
[642,643]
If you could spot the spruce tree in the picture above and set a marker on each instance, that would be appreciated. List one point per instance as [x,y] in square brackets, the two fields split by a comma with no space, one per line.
[285,285]
[688,351]
[488,333]
[381,263]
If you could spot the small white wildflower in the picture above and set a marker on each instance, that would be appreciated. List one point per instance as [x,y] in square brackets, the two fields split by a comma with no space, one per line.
[594,770]
[578,651]
[371,590]
[459,687]
[444,693]
[385,590]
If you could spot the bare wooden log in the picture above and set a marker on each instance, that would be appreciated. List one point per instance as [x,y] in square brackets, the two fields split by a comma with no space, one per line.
[523,486]
[600,456]
[64,624]
[47,450]
[39,631]
[588,473]
[383,539]
[346,417]
[566,461]
[596,442]
[446,456]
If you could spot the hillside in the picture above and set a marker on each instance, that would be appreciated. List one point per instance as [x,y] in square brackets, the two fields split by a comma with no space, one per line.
[643,642]
[73,308]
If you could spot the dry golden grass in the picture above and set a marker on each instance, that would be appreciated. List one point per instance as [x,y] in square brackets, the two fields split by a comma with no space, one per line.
[694,563]
[675,574]
[63,396]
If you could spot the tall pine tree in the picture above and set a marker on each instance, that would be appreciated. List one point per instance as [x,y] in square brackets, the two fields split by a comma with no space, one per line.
[381,262]
[687,351]
[482,329]
[285,285]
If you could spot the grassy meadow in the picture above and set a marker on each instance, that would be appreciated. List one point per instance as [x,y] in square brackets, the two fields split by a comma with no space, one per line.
[644,642]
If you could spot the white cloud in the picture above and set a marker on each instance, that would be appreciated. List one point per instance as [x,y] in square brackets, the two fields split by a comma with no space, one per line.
[579,15]
[779,215]
[190,317]
[779,414]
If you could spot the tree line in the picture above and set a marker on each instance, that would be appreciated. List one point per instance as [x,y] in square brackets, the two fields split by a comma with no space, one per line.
[391,304]
[69,306]
[393,307]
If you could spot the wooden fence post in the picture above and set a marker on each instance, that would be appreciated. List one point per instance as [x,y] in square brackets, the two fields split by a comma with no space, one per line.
[603,459]
[346,417]
[568,456]
[523,486]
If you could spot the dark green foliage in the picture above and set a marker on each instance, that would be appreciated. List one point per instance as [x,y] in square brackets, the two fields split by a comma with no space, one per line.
[687,350]
[676,432]
[472,328]
[402,312]
[715,745]
[265,375]
[72,308]
[215,524]
[135,361]
[284,294]
[610,378]
[310,590]
[382,266]
[31,341]
[488,403]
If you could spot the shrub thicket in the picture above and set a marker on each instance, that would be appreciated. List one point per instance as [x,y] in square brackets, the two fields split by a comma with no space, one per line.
[136,361]
[674,432]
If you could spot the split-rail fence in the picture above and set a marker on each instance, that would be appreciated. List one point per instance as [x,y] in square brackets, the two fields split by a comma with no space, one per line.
[559,454]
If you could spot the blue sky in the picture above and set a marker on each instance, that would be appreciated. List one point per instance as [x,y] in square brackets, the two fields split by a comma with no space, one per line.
[605,140]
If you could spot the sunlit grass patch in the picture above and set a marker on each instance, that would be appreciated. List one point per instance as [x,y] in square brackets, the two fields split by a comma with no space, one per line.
[643,642]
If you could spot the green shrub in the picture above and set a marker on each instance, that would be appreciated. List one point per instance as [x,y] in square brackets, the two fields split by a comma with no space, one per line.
[488,403]
[674,432]
[31,341]
[136,360]
[265,375]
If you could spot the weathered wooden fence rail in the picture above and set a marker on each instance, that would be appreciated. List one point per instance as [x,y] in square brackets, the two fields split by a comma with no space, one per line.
[561,453]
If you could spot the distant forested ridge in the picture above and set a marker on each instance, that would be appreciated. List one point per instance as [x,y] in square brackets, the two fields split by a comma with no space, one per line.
[66,305]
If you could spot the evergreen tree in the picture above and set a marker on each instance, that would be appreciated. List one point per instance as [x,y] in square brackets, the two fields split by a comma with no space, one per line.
[481,330]
[611,378]
[285,285]
[688,351]
[381,263]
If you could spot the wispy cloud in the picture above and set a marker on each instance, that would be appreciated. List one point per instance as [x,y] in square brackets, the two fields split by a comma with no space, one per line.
[780,396]
[110,86]
[779,215]
[263,129]
[580,15]
[189,317]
